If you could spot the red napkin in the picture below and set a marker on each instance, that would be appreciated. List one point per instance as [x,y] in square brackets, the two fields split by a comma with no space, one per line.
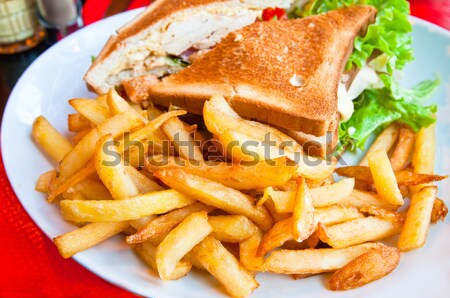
[30,265]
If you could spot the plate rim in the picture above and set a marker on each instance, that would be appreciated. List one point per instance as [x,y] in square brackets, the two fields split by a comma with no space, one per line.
[8,163]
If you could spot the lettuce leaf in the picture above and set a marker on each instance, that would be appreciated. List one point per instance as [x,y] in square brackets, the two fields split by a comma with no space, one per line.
[377,108]
[389,34]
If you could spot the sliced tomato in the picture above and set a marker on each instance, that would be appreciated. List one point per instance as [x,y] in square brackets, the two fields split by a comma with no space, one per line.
[272,13]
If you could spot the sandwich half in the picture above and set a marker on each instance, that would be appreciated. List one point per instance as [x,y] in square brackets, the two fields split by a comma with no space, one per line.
[284,73]
[167,36]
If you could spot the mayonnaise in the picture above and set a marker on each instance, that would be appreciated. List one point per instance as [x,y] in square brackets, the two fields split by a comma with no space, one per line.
[365,79]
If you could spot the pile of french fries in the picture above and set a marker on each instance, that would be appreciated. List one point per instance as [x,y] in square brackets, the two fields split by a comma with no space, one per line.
[241,215]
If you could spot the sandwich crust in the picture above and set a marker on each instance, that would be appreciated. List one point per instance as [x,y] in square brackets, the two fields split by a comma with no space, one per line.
[284,73]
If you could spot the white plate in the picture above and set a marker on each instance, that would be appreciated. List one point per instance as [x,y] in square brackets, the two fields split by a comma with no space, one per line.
[56,76]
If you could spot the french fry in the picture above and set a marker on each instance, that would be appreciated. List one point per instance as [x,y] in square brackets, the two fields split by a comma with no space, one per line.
[403,149]
[238,175]
[122,210]
[143,184]
[270,206]
[147,253]
[176,132]
[383,142]
[111,170]
[91,189]
[439,212]
[248,252]
[384,178]
[366,268]
[280,233]
[357,231]
[323,196]
[80,135]
[165,223]
[425,150]
[180,241]
[332,194]
[221,264]
[84,150]
[216,195]
[233,132]
[54,144]
[404,178]
[43,183]
[85,172]
[424,153]
[219,117]
[303,213]
[384,214]
[148,131]
[335,214]
[77,123]
[415,229]
[314,261]
[232,228]
[361,199]
[91,110]
[87,236]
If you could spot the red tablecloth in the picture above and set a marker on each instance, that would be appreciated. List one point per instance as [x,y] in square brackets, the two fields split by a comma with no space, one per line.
[30,266]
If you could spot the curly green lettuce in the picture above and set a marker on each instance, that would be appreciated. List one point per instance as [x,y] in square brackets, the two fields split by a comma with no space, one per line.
[377,108]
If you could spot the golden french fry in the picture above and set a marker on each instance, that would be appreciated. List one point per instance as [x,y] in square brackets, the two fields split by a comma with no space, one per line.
[216,195]
[335,214]
[84,150]
[54,144]
[270,206]
[90,189]
[248,252]
[148,131]
[439,212]
[85,172]
[80,135]
[91,109]
[424,153]
[323,196]
[87,236]
[404,178]
[357,231]
[280,233]
[303,213]
[239,176]
[180,241]
[165,223]
[313,261]
[368,267]
[220,117]
[77,123]
[221,264]
[232,228]
[415,229]
[43,183]
[142,182]
[176,132]
[425,150]
[333,193]
[117,104]
[111,170]
[383,142]
[361,199]
[147,252]
[384,178]
[403,149]
[121,210]
[383,213]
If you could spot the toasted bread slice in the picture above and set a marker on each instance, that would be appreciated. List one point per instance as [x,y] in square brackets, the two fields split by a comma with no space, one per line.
[169,28]
[284,73]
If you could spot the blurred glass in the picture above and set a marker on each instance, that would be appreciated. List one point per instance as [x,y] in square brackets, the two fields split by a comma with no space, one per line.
[19,26]
[60,17]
